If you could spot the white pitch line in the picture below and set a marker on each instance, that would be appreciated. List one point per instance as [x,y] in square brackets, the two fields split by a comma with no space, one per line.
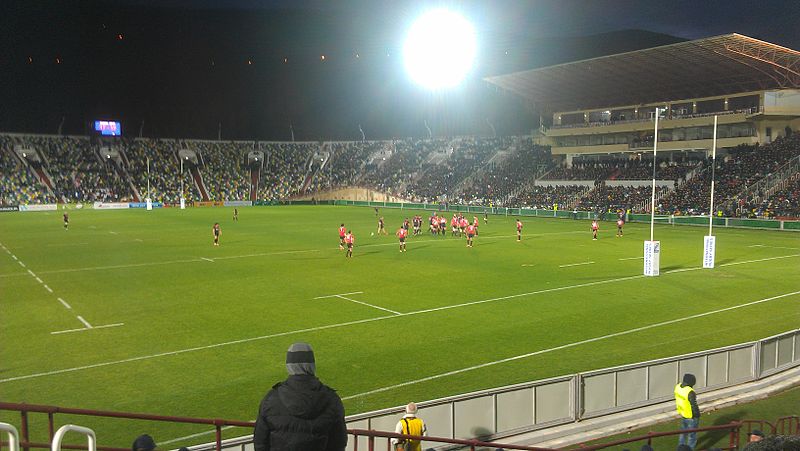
[345,324]
[113,232]
[22,264]
[83,329]
[565,346]
[528,264]
[68,331]
[31,273]
[575,264]
[369,305]
[207,259]
[776,247]
[39,280]
[85,323]
[47,288]
[340,294]
[630,258]
[15,257]
[64,303]
[132,265]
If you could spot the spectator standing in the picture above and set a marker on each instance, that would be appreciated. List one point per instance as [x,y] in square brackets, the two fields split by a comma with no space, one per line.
[410,424]
[686,403]
[143,443]
[300,413]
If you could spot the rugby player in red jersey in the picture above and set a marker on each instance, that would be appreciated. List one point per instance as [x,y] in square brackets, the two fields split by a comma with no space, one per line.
[620,223]
[519,230]
[595,228]
[470,234]
[476,223]
[402,233]
[66,221]
[349,240]
[443,225]
[342,232]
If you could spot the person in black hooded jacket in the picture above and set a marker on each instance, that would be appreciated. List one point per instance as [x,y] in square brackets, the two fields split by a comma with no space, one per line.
[300,413]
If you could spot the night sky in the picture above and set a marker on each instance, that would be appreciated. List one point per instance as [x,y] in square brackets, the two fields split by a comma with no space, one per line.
[183,67]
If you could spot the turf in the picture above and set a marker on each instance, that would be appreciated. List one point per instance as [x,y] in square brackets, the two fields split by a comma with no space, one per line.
[206,328]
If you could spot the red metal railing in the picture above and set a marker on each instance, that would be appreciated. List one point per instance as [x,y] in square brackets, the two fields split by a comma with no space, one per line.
[733,440]
[24,433]
[789,425]
[26,444]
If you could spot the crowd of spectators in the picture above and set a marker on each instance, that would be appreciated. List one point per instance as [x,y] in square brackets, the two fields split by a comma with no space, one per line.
[497,184]
[615,168]
[453,170]
[287,167]
[463,158]
[76,170]
[613,198]
[564,196]
[165,172]
[345,163]
[740,168]
[18,185]
[225,174]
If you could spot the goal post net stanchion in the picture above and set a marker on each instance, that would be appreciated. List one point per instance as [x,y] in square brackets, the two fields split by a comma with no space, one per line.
[709,241]
[652,248]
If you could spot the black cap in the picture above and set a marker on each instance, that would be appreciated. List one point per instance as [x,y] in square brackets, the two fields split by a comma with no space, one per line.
[757,432]
[143,443]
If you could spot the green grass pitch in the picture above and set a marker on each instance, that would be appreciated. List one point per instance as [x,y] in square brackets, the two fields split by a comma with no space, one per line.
[205,329]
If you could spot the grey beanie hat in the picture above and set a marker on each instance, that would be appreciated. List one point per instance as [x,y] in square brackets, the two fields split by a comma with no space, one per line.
[300,359]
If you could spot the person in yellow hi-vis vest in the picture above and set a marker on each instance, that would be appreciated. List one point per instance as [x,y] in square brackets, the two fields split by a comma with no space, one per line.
[686,403]
[410,425]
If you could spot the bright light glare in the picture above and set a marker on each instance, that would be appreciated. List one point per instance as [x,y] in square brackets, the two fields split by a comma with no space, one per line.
[439,49]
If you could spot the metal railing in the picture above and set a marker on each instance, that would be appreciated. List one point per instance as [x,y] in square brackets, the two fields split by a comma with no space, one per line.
[733,440]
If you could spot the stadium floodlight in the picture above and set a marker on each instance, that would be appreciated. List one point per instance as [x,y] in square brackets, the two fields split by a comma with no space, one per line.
[439,49]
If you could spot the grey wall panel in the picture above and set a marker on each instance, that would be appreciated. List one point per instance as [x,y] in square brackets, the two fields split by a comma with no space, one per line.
[474,417]
[717,369]
[553,401]
[631,386]
[384,423]
[768,349]
[696,366]
[438,420]
[740,365]
[598,392]
[514,409]
[785,350]
[362,441]
[797,347]
[663,378]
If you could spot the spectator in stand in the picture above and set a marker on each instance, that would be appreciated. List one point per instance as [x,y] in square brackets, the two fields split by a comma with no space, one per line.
[143,443]
[410,424]
[300,413]
[686,403]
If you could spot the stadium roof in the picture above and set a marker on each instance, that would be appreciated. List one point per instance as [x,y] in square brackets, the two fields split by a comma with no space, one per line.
[718,65]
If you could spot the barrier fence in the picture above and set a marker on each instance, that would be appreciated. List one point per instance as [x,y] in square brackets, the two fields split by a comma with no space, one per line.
[503,412]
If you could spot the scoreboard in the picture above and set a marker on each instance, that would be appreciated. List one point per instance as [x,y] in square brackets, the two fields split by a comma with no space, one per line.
[108,128]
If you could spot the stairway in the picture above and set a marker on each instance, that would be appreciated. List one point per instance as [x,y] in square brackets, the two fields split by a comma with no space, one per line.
[44,177]
[198,181]
[255,176]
